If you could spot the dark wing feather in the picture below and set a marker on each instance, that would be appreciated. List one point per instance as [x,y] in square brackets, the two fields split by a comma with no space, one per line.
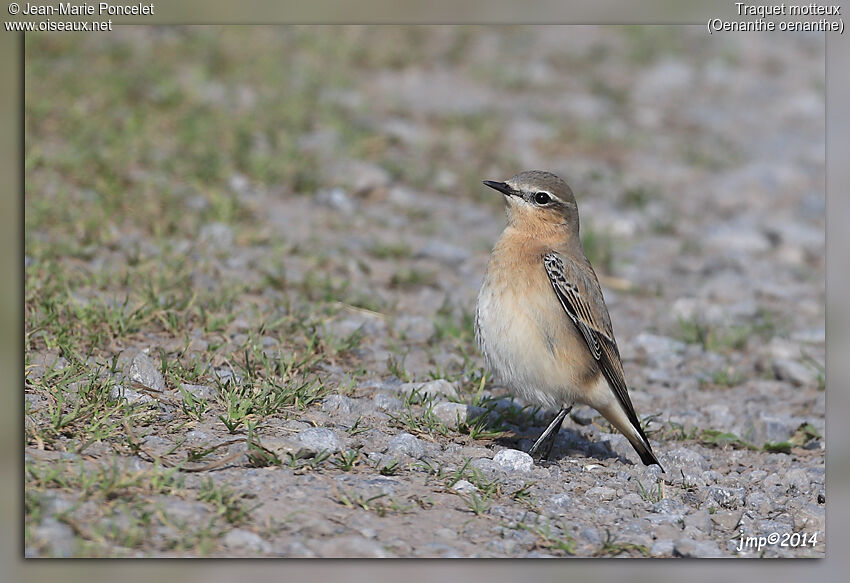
[586,308]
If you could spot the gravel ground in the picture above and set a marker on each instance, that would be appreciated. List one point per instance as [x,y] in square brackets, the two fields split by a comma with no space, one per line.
[336,407]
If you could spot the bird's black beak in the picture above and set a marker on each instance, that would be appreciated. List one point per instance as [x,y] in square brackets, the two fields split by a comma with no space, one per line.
[501,187]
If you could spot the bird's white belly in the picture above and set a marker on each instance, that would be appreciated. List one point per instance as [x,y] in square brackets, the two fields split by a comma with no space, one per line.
[518,341]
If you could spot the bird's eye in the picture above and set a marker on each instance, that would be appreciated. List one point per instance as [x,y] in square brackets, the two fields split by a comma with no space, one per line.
[541,198]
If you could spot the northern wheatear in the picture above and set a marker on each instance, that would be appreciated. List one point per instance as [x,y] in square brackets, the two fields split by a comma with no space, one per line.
[541,320]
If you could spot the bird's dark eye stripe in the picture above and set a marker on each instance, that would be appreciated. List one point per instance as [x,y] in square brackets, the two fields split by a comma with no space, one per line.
[541,198]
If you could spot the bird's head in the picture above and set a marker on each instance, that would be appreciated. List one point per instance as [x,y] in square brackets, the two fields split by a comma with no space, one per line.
[539,201]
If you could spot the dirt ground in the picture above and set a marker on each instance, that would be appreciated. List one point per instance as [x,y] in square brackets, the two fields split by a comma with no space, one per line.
[252,256]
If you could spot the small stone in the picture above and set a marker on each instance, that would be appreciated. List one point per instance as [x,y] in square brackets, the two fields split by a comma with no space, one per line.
[338,404]
[228,376]
[618,444]
[345,327]
[217,237]
[406,444]
[670,507]
[184,510]
[139,368]
[660,351]
[561,502]
[244,540]
[199,391]
[602,493]
[414,328]
[318,439]
[385,402]
[42,362]
[697,549]
[766,426]
[58,536]
[464,487]
[590,535]
[661,548]
[583,415]
[797,478]
[454,415]
[513,460]
[440,388]
[281,446]
[351,547]
[485,464]
[699,520]
[736,236]
[338,199]
[632,500]
[726,520]
[687,458]
[810,518]
[727,497]
[794,372]
[450,414]
[119,392]
[719,415]
[443,252]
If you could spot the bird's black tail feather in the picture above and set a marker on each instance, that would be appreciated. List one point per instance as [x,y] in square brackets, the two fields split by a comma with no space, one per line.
[644,450]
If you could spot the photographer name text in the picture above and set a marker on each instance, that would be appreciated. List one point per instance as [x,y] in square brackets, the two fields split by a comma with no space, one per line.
[99,9]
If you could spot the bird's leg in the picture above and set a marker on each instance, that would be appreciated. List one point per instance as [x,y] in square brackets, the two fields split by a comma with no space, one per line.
[542,448]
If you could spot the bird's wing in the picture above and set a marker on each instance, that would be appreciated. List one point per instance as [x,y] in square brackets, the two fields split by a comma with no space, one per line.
[581,297]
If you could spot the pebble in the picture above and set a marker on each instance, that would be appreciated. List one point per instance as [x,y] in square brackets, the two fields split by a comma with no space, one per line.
[443,252]
[384,402]
[513,460]
[437,389]
[245,540]
[338,404]
[337,199]
[318,439]
[464,487]
[687,458]
[727,497]
[796,373]
[797,478]
[583,415]
[199,391]
[138,367]
[132,397]
[351,547]
[561,502]
[766,426]
[726,520]
[454,415]
[671,507]
[58,536]
[692,548]
[661,548]
[601,493]
[216,237]
[406,444]
[699,520]
[660,351]
[417,329]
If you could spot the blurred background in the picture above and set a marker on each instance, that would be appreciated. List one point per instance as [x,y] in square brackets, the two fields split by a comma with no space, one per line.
[351,158]
[209,183]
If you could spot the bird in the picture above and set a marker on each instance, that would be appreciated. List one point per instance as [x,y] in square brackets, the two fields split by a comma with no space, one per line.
[541,321]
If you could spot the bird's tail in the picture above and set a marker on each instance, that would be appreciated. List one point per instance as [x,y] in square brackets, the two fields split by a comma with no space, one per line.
[644,450]
[634,433]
